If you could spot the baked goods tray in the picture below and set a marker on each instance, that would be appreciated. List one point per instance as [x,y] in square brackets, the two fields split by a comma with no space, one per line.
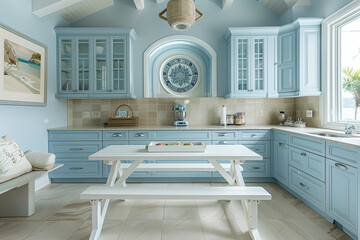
[176,147]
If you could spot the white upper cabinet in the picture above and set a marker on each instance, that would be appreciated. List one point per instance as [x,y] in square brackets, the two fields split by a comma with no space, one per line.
[250,61]
[274,61]
[299,52]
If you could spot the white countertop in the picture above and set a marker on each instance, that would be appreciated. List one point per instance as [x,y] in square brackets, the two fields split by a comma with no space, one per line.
[352,142]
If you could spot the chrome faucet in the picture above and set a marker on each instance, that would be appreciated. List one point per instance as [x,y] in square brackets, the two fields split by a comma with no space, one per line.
[349,128]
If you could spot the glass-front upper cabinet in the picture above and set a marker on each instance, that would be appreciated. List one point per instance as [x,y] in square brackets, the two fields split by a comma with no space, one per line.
[251,61]
[95,62]
[248,69]
[118,64]
[243,64]
[83,50]
[101,65]
[66,72]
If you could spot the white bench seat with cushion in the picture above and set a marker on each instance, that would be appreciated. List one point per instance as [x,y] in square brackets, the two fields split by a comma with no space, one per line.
[17,196]
[17,180]
[252,195]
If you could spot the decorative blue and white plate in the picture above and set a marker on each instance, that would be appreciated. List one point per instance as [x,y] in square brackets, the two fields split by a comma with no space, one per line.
[179,74]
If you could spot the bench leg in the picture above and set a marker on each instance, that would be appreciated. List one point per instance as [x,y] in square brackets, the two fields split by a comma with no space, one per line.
[18,202]
[253,219]
[98,217]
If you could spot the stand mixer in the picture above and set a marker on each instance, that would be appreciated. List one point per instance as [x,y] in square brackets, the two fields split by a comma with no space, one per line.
[180,112]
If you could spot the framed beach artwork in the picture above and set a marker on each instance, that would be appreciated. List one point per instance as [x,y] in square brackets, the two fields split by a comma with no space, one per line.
[22,68]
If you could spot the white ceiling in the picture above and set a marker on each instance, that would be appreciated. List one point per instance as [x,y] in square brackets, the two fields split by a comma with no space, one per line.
[72,10]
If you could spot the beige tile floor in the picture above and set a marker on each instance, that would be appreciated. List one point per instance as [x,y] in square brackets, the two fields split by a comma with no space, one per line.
[61,214]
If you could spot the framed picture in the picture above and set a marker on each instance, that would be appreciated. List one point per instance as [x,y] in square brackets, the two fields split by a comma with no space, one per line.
[22,68]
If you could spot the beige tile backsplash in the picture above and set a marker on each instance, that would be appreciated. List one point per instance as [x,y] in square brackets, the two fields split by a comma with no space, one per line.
[200,111]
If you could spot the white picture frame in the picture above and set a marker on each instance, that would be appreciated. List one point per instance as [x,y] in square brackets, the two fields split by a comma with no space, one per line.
[23,69]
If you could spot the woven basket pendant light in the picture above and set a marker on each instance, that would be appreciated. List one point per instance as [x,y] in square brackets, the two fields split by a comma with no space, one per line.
[181,14]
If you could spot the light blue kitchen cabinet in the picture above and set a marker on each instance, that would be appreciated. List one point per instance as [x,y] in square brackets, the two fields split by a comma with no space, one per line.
[250,60]
[281,162]
[72,148]
[299,62]
[342,194]
[95,62]
[287,63]
[308,188]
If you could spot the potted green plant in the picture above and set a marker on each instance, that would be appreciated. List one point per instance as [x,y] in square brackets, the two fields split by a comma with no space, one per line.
[351,83]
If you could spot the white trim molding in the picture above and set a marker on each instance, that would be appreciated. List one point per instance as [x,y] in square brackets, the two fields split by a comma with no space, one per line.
[330,61]
[187,38]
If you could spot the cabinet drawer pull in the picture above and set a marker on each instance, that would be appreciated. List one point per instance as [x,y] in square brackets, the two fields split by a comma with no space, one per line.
[223,142]
[253,168]
[222,134]
[341,166]
[255,149]
[140,135]
[304,186]
[117,135]
[282,144]
[303,154]
[253,135]
[76,149]
[76,168]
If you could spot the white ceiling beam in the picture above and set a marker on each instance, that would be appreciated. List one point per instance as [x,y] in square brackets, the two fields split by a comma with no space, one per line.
[140,4]
[226,4]
[43,8]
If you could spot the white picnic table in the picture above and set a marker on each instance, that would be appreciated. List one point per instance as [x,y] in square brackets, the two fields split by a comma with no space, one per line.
[115,188]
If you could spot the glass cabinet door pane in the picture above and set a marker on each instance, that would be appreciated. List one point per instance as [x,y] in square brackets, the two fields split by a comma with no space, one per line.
[83,65]
[118,64]
[66,65]
[259,63]
[100,64]
[242,76]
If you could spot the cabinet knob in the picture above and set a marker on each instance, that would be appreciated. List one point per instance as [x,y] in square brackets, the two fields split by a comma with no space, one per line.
[303,154]
[222,134]
[76,149]
[341,166]
[304,186]
[117,135]
[76,168]
[253,168]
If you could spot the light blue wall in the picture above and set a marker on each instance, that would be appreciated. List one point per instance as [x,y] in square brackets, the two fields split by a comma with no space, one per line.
[26,124]
[151,28]
[318,8]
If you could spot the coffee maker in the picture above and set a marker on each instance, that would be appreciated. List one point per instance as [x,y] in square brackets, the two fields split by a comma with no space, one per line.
[180,112]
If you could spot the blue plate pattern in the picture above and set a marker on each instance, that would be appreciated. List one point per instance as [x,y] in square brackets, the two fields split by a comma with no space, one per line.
[180,75]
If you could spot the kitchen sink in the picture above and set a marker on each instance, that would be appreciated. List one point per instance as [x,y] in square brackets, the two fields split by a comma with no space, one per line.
[334,135]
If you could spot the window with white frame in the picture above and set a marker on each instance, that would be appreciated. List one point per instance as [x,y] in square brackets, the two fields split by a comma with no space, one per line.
[341,67]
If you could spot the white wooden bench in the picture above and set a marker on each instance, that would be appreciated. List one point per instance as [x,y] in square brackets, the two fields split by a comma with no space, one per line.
[251,195]
[17,196]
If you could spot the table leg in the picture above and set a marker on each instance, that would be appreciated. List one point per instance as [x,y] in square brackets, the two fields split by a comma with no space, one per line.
[222,171]
[128,172]
[113,173]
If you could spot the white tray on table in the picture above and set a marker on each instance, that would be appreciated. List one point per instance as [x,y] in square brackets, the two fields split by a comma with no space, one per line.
[180,147]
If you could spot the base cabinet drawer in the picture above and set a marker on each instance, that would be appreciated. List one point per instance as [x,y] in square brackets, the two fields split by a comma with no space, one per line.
[78,169]
[74,149]
[256,168]
[312,164]
[307,187]
[260,147]
[342,194]
[255,135]
[309,144]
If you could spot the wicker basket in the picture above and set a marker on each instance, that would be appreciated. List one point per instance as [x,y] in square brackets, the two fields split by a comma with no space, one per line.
[181,14]
[123,121]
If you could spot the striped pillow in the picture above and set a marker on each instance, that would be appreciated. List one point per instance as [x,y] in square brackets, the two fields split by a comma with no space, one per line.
[13,162]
